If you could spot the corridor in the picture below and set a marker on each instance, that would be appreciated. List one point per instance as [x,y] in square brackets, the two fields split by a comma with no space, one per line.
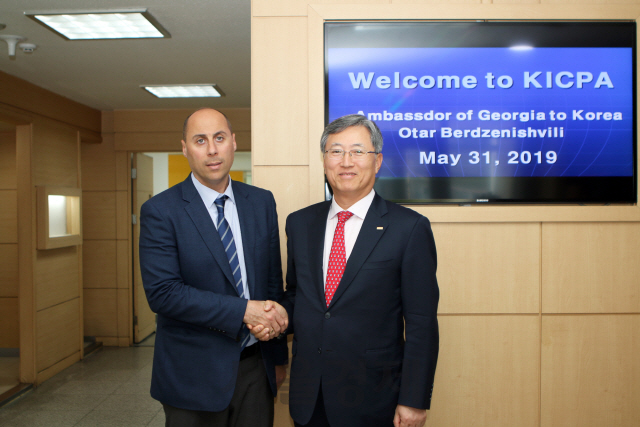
[107,388]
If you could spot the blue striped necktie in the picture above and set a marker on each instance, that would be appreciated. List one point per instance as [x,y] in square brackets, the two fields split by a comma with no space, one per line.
[226,235]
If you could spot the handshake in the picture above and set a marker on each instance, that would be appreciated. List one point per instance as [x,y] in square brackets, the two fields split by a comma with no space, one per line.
[266,319]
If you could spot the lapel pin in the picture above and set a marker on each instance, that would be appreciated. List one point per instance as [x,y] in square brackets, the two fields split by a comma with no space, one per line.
[380,228]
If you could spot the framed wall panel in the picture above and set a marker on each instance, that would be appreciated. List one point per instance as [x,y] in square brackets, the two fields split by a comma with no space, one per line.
[55,155]
[57,332]
[590,268]
[8,161]
[100,312]
[8,216]
[56,276]
[99,263]
[98,214]
[9,323]
[488,268]
[590,370]
[270,83]
[9,284]
[99,166]
[488,370]
[289,186]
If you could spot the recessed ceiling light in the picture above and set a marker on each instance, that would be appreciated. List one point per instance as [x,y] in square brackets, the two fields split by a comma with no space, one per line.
[184,91]
[101,24]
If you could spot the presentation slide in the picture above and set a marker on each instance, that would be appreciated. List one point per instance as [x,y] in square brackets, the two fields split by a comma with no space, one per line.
[491,111]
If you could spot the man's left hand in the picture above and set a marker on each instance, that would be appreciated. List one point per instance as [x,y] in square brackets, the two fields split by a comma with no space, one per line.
[407,416]
[281,374]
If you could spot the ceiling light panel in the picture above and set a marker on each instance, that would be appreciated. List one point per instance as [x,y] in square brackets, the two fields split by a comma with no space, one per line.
[185,91]
[101,24]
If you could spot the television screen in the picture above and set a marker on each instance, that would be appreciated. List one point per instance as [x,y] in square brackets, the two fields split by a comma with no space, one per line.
[492,112]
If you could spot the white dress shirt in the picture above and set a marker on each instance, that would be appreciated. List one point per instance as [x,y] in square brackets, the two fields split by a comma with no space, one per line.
[209,197]
[351,227]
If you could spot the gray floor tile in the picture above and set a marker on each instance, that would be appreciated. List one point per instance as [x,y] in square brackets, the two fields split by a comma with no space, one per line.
[103,374]
[158,420]
[45,419]
[87,387]
[109,388]
[134,387]
[129,402]
[62,402]
[100,418]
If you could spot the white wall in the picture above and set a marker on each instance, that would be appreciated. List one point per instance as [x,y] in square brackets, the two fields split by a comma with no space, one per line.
[160,171]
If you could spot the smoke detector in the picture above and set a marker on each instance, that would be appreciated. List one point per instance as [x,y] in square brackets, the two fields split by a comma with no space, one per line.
[27,47]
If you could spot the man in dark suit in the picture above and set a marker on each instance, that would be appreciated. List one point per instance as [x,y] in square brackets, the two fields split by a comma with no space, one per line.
[210,262]
[361,295]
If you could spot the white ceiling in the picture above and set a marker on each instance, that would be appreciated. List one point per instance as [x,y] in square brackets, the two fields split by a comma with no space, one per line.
[210,43]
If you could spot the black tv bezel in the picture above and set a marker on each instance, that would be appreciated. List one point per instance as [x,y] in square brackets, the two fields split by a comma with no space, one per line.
[514,190]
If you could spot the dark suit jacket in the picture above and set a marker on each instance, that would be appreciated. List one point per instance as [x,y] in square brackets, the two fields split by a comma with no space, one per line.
[356,347]
[189,284]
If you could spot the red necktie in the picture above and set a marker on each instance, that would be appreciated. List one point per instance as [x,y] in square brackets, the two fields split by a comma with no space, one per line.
[337,258]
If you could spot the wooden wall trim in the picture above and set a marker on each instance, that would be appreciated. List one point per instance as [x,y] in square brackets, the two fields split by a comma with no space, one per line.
[161,130]
[27,97]
[171,120]
[13,115]
[26,254]
[316,109]
[477,11]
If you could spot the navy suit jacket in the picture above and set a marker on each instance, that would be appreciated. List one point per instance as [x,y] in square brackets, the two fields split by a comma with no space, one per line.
[189,284]
[356,348]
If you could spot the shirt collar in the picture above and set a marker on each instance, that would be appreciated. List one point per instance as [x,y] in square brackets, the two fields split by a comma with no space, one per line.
[209,195]
[359,208]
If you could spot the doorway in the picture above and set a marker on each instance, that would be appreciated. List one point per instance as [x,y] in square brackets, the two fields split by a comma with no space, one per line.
[144,320]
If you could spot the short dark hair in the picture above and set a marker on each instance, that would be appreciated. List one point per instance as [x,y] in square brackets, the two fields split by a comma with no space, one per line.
[186,121]
[344,122]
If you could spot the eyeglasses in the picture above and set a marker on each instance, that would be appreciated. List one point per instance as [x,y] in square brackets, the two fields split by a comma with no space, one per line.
[355,154]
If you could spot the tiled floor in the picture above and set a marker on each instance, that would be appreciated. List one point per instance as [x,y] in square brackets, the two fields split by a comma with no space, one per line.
[108,388]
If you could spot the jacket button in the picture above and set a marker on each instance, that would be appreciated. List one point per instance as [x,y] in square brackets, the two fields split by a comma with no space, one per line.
[319,350]
[327,315]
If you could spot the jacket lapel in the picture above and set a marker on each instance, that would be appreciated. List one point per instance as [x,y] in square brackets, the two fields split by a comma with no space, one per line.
[317,228]
[202,220]
[247,228]
[368,238]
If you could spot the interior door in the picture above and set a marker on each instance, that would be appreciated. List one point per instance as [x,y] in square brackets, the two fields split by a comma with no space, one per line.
[144,320]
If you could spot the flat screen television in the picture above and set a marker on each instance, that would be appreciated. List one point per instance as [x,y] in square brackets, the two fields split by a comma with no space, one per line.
[492,112]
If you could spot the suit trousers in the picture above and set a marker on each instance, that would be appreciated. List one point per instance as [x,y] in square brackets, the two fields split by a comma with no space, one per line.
[251,404]
[319,416]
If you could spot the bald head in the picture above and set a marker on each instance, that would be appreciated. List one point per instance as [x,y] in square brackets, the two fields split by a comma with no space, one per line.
[186,121]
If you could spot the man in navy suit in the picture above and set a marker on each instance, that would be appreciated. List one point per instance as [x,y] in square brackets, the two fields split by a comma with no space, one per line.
[210,262]
[361,295]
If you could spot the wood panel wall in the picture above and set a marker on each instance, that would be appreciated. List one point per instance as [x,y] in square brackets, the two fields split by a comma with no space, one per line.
[40,290]
[56,273]
[106,178]
[9,316]
[539,309]
[107,249]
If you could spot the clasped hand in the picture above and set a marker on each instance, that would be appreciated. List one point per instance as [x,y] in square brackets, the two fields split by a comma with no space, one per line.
[266,319]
